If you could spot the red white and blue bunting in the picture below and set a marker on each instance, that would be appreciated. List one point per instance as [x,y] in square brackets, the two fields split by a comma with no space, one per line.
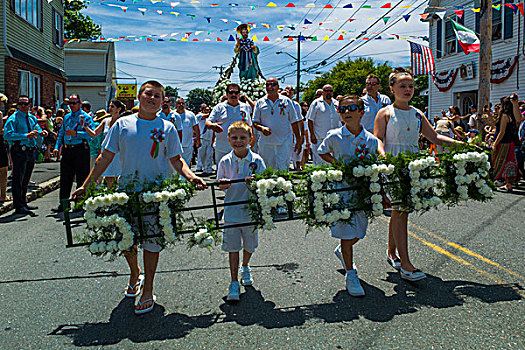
[444,80]
[501,70]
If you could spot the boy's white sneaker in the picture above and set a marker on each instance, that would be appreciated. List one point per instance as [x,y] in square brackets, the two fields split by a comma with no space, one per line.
[246,276]
[235,292]
[352,284]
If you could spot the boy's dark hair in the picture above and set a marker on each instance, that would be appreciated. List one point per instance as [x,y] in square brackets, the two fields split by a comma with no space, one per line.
[359,101]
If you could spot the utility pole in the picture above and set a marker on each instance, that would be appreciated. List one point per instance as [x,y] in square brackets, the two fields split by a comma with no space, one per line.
[299,38]
[485,53]
[221,68]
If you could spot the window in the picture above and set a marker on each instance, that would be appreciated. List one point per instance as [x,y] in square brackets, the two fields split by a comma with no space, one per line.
[30,10]
[450,38]
[502,21]
[29,84]
[497,27]
[58,29]
[59,94]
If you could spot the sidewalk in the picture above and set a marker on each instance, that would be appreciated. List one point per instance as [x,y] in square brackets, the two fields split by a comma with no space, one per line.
[45,175]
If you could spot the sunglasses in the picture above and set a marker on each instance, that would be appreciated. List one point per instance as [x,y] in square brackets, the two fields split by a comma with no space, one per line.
[23,103]
[349,108]
[234,92]
[372,84]
[328,90]
[73,103]
[271,84]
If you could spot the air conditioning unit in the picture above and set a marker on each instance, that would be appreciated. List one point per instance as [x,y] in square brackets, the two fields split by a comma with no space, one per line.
[466,71]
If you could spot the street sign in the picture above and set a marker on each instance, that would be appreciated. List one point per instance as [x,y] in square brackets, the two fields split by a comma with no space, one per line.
[126,91]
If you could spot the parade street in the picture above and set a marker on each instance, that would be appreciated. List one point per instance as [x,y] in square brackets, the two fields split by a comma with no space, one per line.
[54,298]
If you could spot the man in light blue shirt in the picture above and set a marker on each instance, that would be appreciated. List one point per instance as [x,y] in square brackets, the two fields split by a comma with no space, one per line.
[374,101]
[74,140]
[167,114]
[21,132]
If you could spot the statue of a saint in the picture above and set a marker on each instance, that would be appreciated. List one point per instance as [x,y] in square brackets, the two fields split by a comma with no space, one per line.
[247,54]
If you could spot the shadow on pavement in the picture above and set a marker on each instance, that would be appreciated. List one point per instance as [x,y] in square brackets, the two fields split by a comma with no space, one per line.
[253,309]
[14,217]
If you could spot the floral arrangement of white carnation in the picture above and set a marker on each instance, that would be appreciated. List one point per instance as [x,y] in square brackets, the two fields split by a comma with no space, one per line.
[475,181]
[271,193]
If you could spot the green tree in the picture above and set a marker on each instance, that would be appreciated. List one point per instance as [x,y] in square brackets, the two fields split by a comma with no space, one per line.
[78,25]
[420,101]
[348,77]
[171,91]
[196,97]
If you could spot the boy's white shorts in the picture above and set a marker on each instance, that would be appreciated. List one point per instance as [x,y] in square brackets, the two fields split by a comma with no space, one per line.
[347,231]
[238,238]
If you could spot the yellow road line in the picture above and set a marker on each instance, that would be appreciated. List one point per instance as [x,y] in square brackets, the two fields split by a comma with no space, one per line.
[455,257]
[467,251]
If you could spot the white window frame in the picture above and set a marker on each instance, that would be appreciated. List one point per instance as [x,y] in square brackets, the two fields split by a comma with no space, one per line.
[30,11]
[59,94]
[30,84]
[452,39]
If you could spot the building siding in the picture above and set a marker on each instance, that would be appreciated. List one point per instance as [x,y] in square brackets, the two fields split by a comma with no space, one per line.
[500,49]
[29,39]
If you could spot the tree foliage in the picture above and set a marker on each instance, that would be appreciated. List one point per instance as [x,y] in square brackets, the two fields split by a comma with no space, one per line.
[78,25]
[171,91]
[348,77]
[196,97]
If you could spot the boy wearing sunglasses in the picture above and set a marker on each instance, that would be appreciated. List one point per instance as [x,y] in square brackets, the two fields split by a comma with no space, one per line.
[344,144]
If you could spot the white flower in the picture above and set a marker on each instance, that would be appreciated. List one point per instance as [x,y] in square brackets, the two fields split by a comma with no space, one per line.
[345,214]
[290,196]
[358,171]
[376,198]
[102,247]
[206,242]
[415,174]
[375,187]
[180,193]
[368,171]
[93,248]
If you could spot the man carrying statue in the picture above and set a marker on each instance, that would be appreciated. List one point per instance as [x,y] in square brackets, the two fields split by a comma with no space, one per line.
[247,53]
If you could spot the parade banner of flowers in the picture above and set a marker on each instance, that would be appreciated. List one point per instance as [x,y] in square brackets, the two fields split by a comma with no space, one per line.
[253,88]
[116,219]
[414,182]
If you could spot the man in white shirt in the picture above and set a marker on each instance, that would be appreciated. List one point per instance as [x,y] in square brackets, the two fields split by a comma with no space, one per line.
[322,117]
[296,157]
[205,156]
[190,127]
[374,101]
[275,117]
[223,115]
[167,114]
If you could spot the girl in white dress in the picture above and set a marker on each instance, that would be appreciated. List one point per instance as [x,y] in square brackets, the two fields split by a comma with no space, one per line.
[116,108]
[398,126]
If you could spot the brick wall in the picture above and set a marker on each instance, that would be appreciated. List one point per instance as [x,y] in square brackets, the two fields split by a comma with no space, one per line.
[47,81]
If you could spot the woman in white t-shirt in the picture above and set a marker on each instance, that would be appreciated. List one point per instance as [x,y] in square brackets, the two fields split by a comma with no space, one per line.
[116,108]
[398,126]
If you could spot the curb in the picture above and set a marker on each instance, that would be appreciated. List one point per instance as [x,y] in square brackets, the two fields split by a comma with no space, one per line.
[43,189]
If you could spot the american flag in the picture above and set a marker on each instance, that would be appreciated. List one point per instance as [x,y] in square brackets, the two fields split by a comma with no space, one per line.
[422,59]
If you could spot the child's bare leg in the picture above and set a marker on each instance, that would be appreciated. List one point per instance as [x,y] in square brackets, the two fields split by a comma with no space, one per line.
[348,252]
[399,223]
[246,256]
[234,265]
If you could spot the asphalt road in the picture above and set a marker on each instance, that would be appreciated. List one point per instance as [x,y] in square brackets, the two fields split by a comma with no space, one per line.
[53,298]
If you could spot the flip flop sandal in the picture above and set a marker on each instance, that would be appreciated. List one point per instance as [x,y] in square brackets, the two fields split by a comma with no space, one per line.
[130,287]
[148,309]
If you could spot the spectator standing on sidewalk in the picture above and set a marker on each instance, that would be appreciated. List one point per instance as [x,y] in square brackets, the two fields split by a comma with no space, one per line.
[374,101]
[4,160]
[21,131]
[73,139]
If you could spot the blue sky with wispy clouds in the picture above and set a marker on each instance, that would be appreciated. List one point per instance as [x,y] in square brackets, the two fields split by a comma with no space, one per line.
[188,65]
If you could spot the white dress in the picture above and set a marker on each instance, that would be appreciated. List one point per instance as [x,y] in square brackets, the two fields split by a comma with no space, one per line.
[402,131]
[113,169]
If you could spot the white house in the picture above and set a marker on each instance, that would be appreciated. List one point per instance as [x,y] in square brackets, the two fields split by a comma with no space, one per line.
[90,69]
[457,74]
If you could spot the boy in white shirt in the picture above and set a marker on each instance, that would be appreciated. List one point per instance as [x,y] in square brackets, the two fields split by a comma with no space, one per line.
[145,160]
[342,143]
[241,163]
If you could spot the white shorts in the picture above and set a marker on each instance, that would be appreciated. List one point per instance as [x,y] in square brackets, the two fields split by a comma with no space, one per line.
[151,227]
[276,156]
[238,238]
[350,231]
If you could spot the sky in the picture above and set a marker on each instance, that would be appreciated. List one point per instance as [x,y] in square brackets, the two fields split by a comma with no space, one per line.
[189,65]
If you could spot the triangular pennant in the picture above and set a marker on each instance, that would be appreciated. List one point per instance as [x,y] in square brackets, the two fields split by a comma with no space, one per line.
[232,4]
[187,35]
[280,27]
[366,6]
[159,12]
[198,32]
[328,6]
[194,2]
[183,39]
[326,38]
[406,17]
[302,38]
[441,14]
[405,7]
[310,5]
[265,25]
[175,13]
[314,38]
[290,39]
[195,39]
[520,6]
[271,4]
[385,19]
[377,37]
[266,39]
[231,38]
[149,39]
[208,19]
[219,39]
[173,39]
[142,10]
[459,13]
[340,37]
[387,6]
[253,7]
[224,20]
[191,16]
[173,4]
[476,10]
[214,5]
[254,38]
[290,5]
[348,6]
[497,7]
[351,19]
[424,15]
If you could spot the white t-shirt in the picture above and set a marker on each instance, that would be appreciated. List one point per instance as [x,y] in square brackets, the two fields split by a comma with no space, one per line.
[188,120]
[371,109]
[171,117]
[228,114]
[280,121]
[232,167]
[206,135]
[131,137]
[324,116]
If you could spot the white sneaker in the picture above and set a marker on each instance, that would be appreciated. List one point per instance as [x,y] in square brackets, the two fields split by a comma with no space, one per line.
[339,254]
[235,292]
[352,284]
[246,276]
[413,276]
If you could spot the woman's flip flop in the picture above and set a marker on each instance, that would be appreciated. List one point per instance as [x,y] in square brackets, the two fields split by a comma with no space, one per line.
[148,309]
[130,287]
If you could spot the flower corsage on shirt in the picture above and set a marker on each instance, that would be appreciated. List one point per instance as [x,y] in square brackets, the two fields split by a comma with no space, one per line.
[157,135]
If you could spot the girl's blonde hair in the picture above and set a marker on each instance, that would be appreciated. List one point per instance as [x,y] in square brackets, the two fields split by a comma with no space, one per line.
[398,73]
